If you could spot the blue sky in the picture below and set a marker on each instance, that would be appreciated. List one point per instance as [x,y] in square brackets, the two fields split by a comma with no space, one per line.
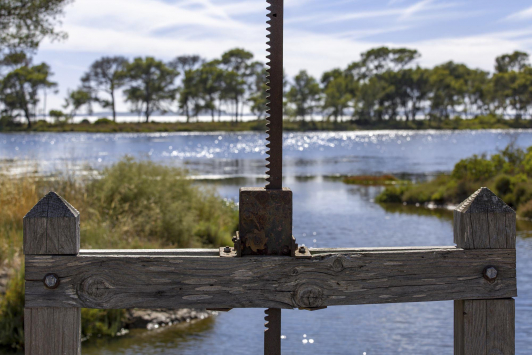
[319,35]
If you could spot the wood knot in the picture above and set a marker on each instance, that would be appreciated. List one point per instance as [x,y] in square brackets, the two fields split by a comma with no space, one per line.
[95,290]
[338,264]
[309,296]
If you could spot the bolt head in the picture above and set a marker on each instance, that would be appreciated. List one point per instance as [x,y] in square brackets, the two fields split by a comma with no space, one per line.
[51,281]
[301,249]
[490,273]
[227,250]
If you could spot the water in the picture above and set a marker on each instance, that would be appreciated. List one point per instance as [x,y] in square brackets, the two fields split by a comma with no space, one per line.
[327,213]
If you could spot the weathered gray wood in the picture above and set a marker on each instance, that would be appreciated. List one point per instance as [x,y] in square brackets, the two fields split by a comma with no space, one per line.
[369,276]
[51,227]
[500,327]
[458,327]
[484,327]
[484,221]
[52,331]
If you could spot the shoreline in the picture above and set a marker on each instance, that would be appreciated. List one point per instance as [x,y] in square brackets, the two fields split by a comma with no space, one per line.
[479,123]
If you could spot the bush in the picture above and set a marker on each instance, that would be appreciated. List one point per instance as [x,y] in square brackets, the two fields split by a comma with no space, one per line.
[526,210]
[85,121]
[391,194]
[7,121]
[12,313]
[522,193]
[98,322]
[503,185]
[475,168]
[103,120]
[148,200]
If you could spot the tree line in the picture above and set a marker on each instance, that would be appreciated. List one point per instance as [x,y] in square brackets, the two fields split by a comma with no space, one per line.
[384,85]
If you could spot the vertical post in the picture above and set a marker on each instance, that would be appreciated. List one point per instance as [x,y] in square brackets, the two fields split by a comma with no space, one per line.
[484,327]
[52,228]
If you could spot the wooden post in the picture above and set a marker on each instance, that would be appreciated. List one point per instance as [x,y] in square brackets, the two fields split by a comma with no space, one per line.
[484,327]
[52,228]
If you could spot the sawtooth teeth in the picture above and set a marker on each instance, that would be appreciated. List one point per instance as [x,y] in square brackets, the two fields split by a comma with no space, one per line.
[268,103]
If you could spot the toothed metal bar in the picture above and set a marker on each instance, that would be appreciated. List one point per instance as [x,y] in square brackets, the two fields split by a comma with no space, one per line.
[275,98]
[272,333]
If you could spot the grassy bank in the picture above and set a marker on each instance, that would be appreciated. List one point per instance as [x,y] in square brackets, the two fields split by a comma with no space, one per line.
[107,126]
[133,205]
[507,173]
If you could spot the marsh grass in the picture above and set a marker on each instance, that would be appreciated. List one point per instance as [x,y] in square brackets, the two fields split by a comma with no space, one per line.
[372,180]
[133,204]
[507,173]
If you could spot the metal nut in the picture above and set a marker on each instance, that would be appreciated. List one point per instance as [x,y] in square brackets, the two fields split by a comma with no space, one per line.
[302,249]
[227,250]
[490,273]
[51,281]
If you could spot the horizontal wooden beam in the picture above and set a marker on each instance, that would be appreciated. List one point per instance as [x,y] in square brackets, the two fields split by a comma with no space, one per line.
[200,278]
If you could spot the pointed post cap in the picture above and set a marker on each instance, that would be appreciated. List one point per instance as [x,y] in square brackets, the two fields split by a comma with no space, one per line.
[484,221]
[51,227]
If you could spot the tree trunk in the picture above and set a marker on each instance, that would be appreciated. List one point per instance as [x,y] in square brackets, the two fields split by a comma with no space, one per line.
[113,105]
[147,112]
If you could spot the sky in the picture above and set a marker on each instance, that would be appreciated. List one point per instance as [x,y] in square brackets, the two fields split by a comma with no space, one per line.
[319,35]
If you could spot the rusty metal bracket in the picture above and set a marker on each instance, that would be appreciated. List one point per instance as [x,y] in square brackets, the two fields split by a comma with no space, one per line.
[303,253]
[265,221]
[227,252]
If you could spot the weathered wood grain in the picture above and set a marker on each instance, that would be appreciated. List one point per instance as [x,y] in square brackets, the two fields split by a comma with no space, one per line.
[500,327]
[51,227]
[52,331]
[484,327]
[484,221]
[362,277]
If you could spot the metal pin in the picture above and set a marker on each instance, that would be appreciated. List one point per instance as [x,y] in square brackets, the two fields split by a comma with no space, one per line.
[51,281]
[490,273]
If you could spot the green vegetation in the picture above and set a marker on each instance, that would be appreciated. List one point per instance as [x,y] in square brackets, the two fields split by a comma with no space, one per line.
[507,173]
[105,125]
[382,90]
[134,204]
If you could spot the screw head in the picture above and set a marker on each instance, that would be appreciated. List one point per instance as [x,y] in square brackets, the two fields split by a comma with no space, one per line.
[302,249]
[227,250]
[51,281]
[490,273]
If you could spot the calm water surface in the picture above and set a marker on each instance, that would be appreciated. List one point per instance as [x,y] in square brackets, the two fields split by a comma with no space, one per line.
[327,213]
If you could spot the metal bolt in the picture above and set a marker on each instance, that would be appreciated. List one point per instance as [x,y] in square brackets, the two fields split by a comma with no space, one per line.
[51,281]
[234,239]
[490,273]
[302,250]
[227,250]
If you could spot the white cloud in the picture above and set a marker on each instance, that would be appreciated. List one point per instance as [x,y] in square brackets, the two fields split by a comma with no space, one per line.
[417,7]
[164,30]
[521,15]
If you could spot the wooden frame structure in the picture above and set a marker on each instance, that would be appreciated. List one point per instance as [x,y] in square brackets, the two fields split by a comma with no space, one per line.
[479,274]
